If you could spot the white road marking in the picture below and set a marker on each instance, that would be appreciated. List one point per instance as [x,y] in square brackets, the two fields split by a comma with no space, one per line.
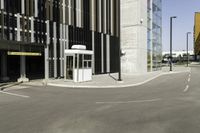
[186,88]
[14,94]
[125,102]
[189,79]
[190,70]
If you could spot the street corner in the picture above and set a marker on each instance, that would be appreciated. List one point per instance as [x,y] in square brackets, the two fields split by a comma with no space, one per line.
[105,81]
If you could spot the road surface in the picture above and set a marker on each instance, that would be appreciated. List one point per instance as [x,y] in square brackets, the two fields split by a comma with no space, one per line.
[168,104]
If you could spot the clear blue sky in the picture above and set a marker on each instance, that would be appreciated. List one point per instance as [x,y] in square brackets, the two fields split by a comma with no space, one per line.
[184,10]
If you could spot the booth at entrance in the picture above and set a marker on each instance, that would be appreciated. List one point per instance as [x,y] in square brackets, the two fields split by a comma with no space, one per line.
[78,65]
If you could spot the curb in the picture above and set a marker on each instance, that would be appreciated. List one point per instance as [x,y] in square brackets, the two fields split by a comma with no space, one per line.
[8,85]
[118,85]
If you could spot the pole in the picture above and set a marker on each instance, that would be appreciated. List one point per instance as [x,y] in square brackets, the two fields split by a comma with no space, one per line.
[187,51]
[119,29]
[171,18]
[187,48]
[170,43]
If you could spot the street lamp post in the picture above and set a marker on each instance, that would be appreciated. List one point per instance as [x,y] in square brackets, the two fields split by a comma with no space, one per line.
[187,47]
[119,34]
[171,18]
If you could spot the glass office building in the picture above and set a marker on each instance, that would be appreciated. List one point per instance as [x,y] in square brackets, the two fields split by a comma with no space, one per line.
[149,36]
[37,32]
[154,35]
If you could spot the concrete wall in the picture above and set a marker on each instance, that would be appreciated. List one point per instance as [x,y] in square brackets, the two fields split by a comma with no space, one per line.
[134,36]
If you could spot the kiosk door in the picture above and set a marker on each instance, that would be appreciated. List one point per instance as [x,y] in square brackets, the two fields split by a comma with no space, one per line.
[69,67]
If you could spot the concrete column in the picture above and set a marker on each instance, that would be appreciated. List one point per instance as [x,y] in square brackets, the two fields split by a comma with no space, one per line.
[4,76]
[99,15]
[102,53]
[93,49]
[55,50]
[36,8]
[134,36]
[77,13]
[108,52]
[22,6]
[46,52]
[105,16]
[32,29]
[23,77]
[64,11]
[112,19]
[67,38]
[70,13]
[61,49]
[2,4]
[22,58]
[18,27]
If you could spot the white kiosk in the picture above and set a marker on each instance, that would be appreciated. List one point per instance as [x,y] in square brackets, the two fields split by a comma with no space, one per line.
[78,64]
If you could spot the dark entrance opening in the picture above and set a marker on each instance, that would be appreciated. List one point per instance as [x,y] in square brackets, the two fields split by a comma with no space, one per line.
[34,63]
[13,67]
[35,67]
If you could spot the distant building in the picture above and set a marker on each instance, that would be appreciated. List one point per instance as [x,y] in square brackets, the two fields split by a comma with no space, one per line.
[197,33]
[178,56]
[179,53]
[141,35]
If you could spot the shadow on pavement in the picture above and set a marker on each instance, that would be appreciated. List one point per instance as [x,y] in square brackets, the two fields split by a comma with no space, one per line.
[113,77]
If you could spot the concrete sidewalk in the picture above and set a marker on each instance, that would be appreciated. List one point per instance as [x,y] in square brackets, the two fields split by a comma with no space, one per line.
[110,81]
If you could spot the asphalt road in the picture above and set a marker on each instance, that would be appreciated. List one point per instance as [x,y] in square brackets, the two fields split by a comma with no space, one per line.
[168,104]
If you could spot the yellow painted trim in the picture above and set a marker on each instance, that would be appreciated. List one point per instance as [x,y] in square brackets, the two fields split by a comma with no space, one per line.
[24,53]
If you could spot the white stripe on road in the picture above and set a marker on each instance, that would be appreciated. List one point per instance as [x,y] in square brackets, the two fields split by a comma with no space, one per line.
[125,102]
[190,70]
[14,94]
[186,88]
[189,79]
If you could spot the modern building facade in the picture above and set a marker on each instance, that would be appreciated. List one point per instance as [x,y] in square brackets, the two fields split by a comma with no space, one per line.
[141,33]
[35,34]
[197,33]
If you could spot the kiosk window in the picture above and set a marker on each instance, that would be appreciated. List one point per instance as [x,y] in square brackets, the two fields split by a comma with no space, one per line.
[80,61]
[90,64]
[76,61]
[85,64]
[87,57]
